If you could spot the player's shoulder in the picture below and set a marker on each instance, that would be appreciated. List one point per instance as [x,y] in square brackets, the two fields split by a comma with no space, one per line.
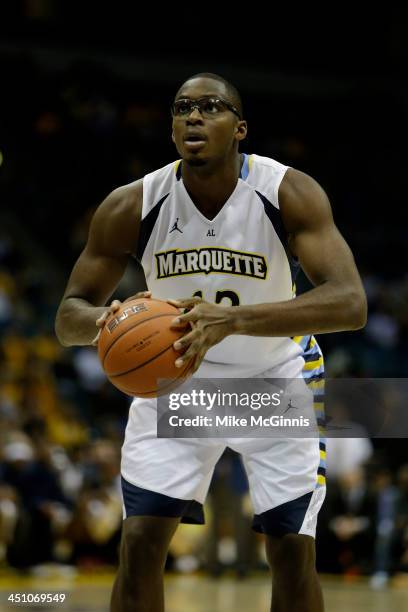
[120,205]
[279,182]
[116,220]
[298,185]
[124,197]
[130,191]
[303,200]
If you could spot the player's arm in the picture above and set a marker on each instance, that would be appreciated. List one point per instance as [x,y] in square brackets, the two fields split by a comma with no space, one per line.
[337,302]
[112,239]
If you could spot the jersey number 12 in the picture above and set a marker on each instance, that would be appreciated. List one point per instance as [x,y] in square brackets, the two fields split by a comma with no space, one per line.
[220,295]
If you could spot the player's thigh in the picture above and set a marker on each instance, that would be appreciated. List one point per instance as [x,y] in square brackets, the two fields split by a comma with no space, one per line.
[174,467]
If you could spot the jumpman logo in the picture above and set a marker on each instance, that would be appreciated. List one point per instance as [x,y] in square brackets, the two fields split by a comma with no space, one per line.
[176,227]
[290,406]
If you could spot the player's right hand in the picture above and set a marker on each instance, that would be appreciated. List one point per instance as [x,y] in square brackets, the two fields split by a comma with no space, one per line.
[114,307]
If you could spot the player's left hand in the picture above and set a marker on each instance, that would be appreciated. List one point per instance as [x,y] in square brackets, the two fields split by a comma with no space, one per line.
[210,323]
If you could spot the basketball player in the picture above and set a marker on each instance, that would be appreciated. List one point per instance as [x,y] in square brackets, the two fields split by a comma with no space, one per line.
[220,232]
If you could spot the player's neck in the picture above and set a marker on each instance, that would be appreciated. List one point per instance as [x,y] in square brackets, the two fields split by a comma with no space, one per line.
[210,187]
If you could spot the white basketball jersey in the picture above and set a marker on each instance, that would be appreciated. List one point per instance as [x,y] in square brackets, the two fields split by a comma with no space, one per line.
[237,258]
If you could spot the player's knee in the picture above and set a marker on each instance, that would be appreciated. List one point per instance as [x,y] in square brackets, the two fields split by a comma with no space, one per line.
[293,555]
[143,548]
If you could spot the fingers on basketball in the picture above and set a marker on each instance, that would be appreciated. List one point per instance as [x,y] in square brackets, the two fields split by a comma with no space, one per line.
[136,349]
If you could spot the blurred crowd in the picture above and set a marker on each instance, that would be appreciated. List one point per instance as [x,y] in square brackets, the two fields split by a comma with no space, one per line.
[70,138]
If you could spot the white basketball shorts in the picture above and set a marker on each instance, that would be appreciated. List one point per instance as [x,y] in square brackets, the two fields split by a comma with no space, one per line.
[171,477]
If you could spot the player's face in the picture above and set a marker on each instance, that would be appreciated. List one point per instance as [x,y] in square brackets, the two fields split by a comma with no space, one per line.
[201,137]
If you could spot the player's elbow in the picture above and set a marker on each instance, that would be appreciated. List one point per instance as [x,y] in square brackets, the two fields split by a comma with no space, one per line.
[357,309]
[60,334]
[60,329]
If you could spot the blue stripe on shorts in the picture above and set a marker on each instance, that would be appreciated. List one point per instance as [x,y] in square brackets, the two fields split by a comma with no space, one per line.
[142,502]
[286,518]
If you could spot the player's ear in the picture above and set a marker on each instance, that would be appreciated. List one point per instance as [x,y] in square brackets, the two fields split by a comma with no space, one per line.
[172,136]
[241,130]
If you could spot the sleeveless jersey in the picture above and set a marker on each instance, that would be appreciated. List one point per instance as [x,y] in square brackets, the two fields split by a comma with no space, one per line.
[238,258]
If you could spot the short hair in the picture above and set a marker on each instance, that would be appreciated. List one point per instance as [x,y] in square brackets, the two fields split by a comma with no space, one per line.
[233,93]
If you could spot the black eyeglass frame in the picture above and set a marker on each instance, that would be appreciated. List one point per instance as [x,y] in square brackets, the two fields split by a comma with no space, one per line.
[196,104]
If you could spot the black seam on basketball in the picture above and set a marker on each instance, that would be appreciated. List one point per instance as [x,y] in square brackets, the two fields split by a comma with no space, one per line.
[144,393]
[133,327]
[142,364]
[152,393]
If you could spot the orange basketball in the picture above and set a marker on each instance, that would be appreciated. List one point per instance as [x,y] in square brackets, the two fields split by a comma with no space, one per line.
[136,348]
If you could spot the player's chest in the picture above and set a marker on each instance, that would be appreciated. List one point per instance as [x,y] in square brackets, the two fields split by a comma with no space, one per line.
[235,242]
[240,223]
